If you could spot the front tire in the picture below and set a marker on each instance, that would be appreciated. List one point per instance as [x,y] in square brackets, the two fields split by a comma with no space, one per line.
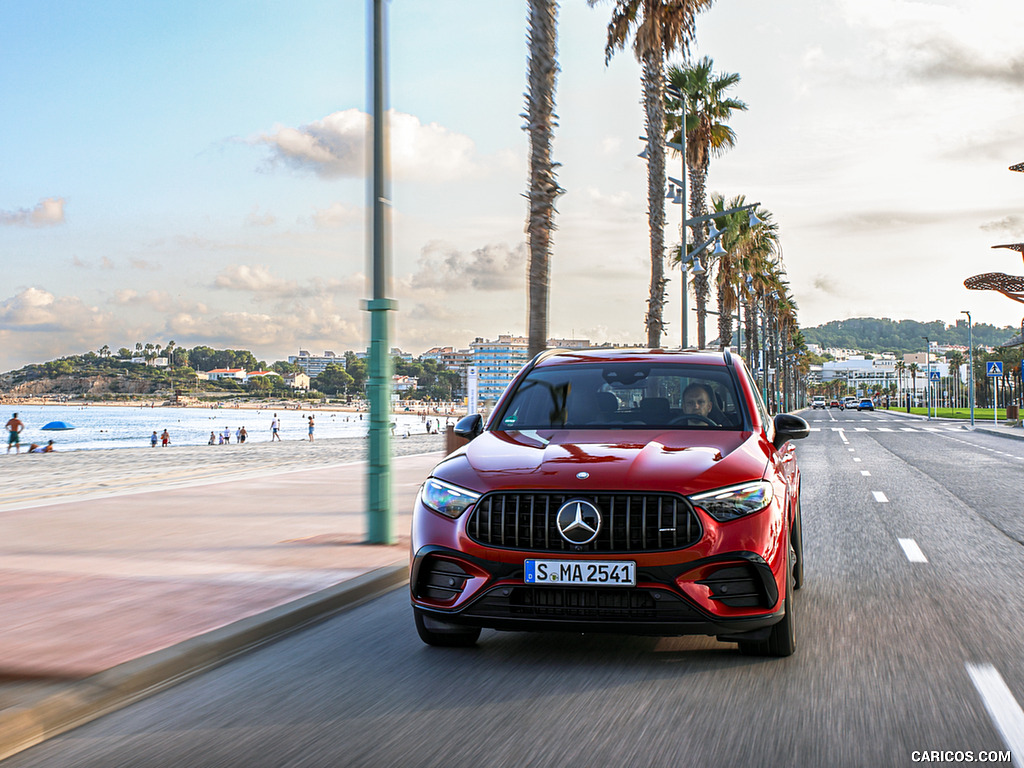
[781,641]
[443,634]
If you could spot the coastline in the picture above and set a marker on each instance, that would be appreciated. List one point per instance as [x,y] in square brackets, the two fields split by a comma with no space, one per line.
[32,480]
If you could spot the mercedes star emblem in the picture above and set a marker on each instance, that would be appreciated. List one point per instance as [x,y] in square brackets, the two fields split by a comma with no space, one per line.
[578,521]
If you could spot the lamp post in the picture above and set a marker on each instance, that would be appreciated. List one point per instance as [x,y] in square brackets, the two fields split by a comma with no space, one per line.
[970,361]
[928,379]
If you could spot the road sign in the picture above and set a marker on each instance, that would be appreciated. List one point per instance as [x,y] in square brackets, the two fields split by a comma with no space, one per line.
[994,368]
[934,376]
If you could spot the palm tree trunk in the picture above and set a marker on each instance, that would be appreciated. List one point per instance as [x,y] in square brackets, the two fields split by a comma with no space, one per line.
[544,189]
[701,284]
[724,311]
[654,105]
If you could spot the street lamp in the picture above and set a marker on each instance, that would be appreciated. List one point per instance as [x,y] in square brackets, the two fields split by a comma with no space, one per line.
[970,363]
[928,362]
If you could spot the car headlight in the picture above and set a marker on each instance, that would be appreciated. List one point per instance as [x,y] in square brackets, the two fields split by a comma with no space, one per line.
[450,500]
[726,504]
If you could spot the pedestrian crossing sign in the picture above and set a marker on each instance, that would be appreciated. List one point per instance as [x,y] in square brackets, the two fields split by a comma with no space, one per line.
[934,376]
[994,368]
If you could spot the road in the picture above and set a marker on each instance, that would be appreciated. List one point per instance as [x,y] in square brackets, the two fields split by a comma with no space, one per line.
[911,639]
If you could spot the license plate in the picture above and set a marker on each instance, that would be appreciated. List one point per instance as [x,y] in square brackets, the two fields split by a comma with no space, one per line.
[589,573]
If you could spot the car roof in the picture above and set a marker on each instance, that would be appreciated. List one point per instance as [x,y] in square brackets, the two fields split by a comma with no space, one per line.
[584,356]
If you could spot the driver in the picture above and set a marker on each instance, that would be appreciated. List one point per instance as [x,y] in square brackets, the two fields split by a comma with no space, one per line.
[697,401]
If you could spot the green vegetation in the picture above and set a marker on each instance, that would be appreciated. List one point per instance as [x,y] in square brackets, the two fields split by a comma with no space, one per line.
[980,414]
[872,334]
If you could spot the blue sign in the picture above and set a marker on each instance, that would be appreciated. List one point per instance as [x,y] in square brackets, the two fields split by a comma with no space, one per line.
[934,376]
[994,368]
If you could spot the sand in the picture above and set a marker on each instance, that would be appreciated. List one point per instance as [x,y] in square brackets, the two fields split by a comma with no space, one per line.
[28,480]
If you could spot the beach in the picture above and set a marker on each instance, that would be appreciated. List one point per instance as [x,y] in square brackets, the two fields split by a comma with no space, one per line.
[29,480]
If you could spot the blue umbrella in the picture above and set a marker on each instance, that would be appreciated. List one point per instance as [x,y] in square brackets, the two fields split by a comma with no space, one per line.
[58,425]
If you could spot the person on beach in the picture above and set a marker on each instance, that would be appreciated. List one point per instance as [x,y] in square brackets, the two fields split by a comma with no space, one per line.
[48,448]
[153,439]
[242,434]
[311,429]
[274,426]
[213,438]
[165,439]
[14,427]
[227,435]
[238,435]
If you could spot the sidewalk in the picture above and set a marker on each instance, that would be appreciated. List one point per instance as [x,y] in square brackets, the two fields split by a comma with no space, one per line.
[108,599]
[1001,429]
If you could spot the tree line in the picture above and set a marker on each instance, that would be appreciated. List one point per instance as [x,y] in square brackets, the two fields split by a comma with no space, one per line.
[871,334]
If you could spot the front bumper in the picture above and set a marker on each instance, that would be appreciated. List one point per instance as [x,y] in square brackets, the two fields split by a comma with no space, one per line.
[734,593]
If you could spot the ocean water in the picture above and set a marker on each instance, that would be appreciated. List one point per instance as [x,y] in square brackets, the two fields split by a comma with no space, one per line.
[97,427]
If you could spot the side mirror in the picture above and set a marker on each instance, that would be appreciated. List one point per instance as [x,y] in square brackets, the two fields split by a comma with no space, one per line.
[789,427]
[470,426]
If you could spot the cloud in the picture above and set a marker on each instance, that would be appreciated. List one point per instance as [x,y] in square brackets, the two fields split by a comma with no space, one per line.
[37,310]
[257,219]
[337,215]
[491,268]
[156,300]
[48,213]
[336,147]
[311,325]
[144,264]
[1012,225]
[826,284]
[259,280]
[944,58]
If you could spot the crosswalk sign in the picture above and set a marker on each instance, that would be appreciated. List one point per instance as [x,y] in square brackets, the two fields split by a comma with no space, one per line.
[994,368]
[934,376]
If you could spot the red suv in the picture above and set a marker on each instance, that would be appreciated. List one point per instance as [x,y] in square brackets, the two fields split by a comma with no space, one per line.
[642,492]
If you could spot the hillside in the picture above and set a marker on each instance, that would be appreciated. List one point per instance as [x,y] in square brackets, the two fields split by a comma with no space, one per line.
[871,334]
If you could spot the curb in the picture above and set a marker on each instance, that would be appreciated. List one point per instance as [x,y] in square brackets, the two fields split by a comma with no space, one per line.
[25,726]
[999,432]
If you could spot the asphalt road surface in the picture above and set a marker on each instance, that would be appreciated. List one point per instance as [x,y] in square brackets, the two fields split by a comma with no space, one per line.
[910,650]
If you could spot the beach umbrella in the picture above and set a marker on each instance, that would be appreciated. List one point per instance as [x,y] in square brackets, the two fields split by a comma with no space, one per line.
[54,425]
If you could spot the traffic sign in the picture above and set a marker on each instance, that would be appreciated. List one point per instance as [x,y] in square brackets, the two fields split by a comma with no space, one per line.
[934,376]
[994,368]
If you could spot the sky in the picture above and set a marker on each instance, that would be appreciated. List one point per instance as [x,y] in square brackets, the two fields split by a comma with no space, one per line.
[196,171]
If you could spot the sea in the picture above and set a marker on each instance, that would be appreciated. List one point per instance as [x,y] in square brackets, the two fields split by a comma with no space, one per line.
[113,426]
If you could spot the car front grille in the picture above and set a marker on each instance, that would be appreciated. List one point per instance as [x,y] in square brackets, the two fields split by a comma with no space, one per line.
[640,522]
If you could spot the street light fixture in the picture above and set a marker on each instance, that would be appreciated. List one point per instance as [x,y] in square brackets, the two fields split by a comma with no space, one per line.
[970,361]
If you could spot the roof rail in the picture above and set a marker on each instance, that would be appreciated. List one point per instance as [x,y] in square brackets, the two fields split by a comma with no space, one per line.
[727,355]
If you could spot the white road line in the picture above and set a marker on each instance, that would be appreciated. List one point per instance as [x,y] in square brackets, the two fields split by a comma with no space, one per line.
[865,473]
[815,429]
[1004,710]
[907,429]
[851,450]
[856,459]
[912,551]
[861,429]
[885,429]
[930,429]
[880,497]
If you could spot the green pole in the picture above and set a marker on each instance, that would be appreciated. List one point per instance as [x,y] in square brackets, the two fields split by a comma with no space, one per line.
[380,523]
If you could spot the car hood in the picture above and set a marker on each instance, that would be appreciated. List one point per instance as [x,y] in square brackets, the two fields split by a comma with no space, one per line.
[679,461]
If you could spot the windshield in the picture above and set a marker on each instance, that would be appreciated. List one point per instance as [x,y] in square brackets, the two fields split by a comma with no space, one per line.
[624,396]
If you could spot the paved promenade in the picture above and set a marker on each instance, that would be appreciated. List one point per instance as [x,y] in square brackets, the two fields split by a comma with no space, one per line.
[119,572]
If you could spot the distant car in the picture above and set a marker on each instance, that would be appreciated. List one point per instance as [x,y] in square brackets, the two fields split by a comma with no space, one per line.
[866,405]
[850,402]
[818,402]
[836,404]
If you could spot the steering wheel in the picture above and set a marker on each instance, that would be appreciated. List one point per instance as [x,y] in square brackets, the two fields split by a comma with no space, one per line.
[686,417]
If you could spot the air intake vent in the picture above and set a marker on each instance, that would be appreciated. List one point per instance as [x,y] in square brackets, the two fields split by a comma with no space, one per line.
[440,580]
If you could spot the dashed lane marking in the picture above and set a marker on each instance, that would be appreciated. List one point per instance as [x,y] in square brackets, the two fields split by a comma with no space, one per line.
[1002,707]
[865,473]
[880,497]
[912,551]
[855,458]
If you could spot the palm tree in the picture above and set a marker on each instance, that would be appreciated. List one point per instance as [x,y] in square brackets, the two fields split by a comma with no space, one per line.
[707,110]
[540,103]
[956,359]
[170,352]
[658,27]
[751,251]
[901,367]
[914,368]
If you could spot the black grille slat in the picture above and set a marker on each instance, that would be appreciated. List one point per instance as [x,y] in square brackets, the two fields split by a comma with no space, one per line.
[631,522]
